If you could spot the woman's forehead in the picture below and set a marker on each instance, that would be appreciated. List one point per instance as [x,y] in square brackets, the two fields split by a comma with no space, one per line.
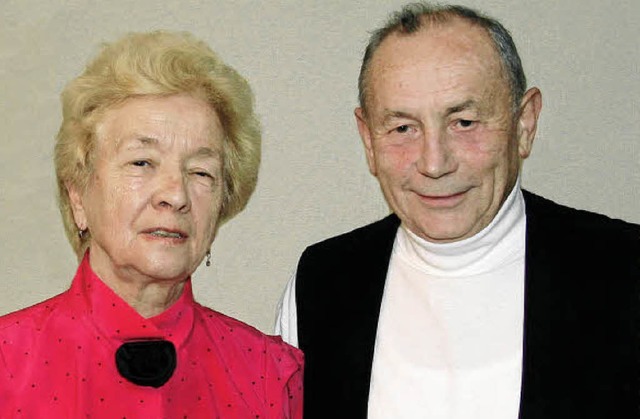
[160,122]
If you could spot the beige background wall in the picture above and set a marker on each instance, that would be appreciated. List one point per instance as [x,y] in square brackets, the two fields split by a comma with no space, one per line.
[302,58]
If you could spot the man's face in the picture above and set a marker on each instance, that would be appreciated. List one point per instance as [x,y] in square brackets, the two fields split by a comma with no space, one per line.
[440,132]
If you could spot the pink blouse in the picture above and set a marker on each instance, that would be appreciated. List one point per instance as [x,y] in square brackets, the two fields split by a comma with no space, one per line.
[57,360]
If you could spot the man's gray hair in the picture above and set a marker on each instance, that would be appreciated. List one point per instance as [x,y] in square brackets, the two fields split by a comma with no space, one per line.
[414,16]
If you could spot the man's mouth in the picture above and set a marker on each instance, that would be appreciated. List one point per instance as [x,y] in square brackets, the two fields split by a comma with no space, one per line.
[443,200]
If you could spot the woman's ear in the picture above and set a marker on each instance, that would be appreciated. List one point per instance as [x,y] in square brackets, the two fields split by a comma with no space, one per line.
[75,199]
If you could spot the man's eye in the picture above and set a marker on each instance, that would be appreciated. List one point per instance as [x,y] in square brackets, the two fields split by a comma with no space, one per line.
[402,129]
[465,123]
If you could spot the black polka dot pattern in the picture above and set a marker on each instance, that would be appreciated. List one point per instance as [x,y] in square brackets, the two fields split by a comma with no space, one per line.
[57,361]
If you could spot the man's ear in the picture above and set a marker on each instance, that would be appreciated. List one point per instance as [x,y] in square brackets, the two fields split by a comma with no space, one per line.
[529,112]
[365,135]
[75,199]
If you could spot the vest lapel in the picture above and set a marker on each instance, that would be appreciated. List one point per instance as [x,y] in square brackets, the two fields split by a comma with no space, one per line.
[362,322]
[545,337]
[338,294]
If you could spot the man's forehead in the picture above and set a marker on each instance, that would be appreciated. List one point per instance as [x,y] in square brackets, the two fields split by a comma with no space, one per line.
[456,36]
[442,68]
[440,56]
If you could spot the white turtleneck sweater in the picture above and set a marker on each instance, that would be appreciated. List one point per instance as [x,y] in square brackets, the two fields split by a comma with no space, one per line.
[449,338]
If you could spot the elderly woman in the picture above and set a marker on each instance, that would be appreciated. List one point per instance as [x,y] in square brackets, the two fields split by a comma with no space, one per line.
[158,147]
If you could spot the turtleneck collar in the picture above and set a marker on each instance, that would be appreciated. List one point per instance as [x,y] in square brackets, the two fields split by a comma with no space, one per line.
[500,242]
[116,321]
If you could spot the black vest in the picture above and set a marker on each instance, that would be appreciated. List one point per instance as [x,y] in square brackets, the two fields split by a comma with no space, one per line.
[582,316]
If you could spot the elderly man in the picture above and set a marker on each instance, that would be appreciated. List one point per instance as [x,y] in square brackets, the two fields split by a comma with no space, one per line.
[474,299]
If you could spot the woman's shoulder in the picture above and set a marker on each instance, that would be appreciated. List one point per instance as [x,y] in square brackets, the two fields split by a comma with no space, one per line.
[248,339]
[25,329]
[30,318]
[268,371]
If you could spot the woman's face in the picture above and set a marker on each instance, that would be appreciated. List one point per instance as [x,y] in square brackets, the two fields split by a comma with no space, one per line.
[153,199]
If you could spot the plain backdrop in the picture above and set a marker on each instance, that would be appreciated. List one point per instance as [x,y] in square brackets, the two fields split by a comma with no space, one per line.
[302,59]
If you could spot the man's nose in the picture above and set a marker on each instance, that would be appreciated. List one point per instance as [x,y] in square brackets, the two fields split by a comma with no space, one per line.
[172,192]
[436,156]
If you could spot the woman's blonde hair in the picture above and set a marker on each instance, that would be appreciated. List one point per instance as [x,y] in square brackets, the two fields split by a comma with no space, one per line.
[159,63]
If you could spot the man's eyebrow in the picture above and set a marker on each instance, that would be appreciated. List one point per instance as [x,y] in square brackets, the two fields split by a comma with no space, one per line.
[391,114]
[467,104]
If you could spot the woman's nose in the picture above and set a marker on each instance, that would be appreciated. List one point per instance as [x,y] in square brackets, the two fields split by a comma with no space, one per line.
[172,192]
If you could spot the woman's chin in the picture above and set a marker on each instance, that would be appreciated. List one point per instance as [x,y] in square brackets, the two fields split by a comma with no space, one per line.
[142,258]
[162,265]
[166,269]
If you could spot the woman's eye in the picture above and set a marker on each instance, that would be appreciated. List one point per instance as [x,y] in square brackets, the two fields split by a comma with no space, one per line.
[202,174]
[141,163]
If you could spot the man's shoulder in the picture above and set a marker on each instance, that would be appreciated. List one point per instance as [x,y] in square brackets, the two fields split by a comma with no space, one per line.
[546,214]
[357,255]
[577,235]
[353,240]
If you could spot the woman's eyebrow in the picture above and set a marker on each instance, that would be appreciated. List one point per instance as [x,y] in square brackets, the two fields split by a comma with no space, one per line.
[207,152]
[137,142]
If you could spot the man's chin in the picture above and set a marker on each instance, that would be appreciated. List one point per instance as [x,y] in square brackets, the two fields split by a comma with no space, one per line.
[442,232]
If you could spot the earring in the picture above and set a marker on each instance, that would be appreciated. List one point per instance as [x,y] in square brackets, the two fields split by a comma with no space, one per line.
[208,262]
[82,232]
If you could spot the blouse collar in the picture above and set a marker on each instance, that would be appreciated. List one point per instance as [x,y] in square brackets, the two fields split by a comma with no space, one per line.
[117,321]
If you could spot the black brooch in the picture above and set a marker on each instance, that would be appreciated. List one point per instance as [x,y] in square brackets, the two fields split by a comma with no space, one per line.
[147,362]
